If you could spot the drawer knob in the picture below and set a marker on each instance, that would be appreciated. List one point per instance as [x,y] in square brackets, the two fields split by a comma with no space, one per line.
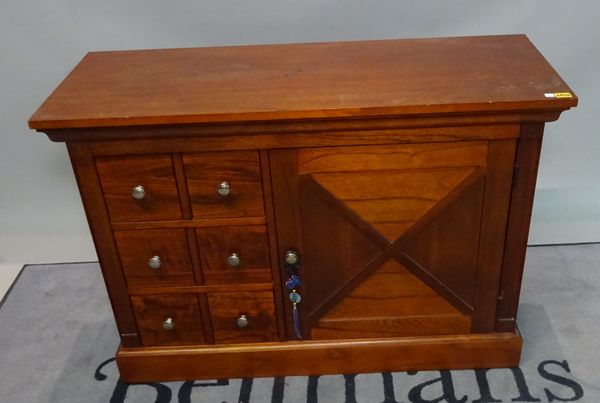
[234,260]
[138,192]
[242,321]
[224,189]
[168,324]
[154,262]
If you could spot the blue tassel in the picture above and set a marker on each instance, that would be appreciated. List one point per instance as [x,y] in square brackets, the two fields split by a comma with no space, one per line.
[296,315]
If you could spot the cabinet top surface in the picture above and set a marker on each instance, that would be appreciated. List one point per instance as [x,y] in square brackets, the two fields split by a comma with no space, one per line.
[304,81]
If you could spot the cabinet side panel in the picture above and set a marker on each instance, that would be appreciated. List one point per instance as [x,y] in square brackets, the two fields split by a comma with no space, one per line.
[527,160]
[492,234]
[97,216]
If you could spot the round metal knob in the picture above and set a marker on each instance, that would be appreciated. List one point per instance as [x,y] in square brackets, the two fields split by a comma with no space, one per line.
[168,324]
[234,260]
[138,192]
[291,257]
[242,321]
[154,262]
[224,189]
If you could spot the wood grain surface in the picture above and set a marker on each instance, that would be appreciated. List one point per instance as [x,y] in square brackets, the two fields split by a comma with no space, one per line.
[241,169]
[391,302]
[249,242]
[304,81]
[227,307]
[361,206]
[392,201]
[493,350]
[392,157]
[119,175]
[152,310]
[288,221]
[494,217]
[526,165]
[293,134]
[447,246]
[170,245]
[401,171]
[97,215]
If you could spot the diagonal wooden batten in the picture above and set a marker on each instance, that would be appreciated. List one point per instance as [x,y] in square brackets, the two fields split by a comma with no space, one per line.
[394,200]
[476,174]
[372,243]
[309,184]
[393,250]
[424,275]
[391,302]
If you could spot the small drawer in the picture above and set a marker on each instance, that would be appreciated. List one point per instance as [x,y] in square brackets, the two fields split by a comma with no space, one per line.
[240,317]
[234,255]
[224,184]
[172,319]
[139,188]
[158,257]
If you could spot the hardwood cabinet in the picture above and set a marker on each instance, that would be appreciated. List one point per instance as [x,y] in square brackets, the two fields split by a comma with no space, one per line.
[310,209]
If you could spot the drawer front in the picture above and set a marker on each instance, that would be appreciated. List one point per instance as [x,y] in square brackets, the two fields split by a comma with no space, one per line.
[224,184]
[240,317]
[234,255]
[141,188]
[173,319]
[155,257]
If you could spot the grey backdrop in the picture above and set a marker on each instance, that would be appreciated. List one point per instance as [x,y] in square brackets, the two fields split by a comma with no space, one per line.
[41,218]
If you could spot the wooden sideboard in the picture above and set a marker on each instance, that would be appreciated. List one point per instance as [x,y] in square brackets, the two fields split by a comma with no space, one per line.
[312,208]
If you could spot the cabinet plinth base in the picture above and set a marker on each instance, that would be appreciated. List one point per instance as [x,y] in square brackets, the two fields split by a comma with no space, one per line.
[489,350]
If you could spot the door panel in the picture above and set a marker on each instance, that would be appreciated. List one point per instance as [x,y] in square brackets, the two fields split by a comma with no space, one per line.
[392,201]
[391,301]
[336,249]
[389,236]
[403,156]
[446,247]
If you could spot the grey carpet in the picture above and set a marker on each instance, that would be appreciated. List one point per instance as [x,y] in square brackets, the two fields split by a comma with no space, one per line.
[57,340]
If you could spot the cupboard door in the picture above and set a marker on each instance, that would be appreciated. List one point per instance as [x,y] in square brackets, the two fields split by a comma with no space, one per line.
[394,240]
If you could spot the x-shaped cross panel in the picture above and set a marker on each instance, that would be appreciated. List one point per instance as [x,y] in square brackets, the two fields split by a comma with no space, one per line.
[396,249]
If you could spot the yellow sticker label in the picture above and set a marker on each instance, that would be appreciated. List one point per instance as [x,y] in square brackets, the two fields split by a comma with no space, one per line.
[563,95]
